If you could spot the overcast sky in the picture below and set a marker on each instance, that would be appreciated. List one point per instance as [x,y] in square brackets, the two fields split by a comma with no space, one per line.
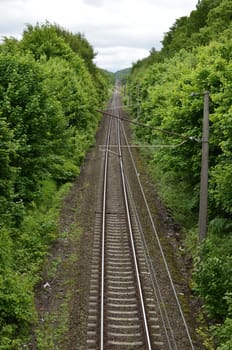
[121,31]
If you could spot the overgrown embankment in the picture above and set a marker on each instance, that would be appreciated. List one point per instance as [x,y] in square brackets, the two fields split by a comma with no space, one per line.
[196,57]
[49,91]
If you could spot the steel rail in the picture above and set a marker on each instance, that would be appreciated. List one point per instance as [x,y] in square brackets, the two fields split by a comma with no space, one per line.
[159,244]
[103,236]
[155,284]
[126,199]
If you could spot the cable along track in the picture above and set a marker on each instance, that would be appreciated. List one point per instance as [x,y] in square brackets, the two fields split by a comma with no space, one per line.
[125,306]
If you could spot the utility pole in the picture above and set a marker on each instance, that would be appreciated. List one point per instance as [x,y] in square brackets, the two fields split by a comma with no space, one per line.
[138,101]
[204,171]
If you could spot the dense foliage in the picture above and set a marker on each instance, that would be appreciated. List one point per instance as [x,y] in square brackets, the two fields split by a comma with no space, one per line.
[196,57]
[50,89]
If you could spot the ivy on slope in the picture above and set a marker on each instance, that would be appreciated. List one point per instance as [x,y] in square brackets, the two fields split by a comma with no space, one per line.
[48,97]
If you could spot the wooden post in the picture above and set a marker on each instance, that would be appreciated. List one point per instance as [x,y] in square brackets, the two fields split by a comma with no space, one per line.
[138,102]
[204,171]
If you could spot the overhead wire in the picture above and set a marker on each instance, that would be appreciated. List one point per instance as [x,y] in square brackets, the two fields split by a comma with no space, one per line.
[191,138]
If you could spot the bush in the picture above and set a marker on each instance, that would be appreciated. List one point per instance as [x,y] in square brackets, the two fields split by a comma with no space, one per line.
[224,332]
[213,275]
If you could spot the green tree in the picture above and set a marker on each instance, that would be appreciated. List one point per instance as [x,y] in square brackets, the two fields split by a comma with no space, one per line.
[35,120]
[43,40]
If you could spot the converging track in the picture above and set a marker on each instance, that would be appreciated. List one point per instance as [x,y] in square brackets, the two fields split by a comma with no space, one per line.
[126,307]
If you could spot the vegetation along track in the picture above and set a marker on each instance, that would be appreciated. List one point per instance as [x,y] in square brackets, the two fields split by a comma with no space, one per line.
[127,308]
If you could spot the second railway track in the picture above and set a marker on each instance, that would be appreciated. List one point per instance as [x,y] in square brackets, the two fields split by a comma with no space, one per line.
[126,309]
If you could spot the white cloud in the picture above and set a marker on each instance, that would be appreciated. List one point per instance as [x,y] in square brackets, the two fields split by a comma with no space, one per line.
[93,2]
[118,29]
[123,57]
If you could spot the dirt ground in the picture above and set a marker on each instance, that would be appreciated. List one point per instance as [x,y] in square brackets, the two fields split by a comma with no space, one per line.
[62,295]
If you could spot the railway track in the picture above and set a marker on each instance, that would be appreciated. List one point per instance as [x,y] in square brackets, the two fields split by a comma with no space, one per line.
[126,308]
